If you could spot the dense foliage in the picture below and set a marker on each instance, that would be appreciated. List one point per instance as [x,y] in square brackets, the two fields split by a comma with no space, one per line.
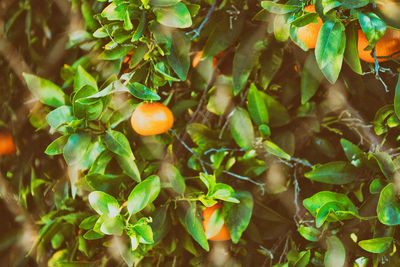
[297,146]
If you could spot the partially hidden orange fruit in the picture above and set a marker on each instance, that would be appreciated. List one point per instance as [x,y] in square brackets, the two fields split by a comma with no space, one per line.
[309,33]
[223,234]
[197,58]
[152,119]
[6,144]
[385,47]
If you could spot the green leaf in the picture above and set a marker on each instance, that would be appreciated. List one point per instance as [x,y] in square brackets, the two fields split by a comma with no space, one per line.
[311,78]
[385,163]
[330,48]
[372,26]
[92,235]
[278,8]
[47,92]
[193,223]
[89,109]
[89,222]
[278,115]
[245,58]
[222,35]
[112,225]
[143,194]
[57,146]
[397,99]
[237,215]
[104,203]
[335,255]
[76,147]
[318,200]
[376,245]
[223,192]
[351,52]
[309,233]
[336,172]
[348,4]
[242,128]
[275,150]
[82,78]
[177,16]
[270,61]
[179,57]
[256,106]
[129,166]
[353,153]
[215,224]
[388,208]
[171,174]
[142,92]
[118,143]
[145,232]
[303,259]
[328,5]
[158,3]
[117,52]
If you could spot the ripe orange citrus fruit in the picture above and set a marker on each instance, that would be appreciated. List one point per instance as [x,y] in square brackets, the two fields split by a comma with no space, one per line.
[223,234]
[151,119]
[197,59]
[386,46]
[6,144]
[309,33]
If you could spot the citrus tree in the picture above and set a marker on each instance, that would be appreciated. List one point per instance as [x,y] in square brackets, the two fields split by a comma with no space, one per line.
[215,132]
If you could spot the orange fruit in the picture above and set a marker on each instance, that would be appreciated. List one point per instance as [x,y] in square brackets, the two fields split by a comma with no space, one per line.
[223,234]
[151,119]
[6,144]
[197,59]
[309,33]
[386,46]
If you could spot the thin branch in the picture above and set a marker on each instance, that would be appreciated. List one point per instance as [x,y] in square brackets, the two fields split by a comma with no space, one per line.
[377,76]
[196,32]
[203,163]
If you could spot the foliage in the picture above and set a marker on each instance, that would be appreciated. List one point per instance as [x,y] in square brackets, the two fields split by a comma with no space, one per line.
[300,147]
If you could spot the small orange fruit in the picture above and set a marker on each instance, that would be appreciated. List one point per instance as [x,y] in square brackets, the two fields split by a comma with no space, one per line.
[197,59]
[385,47]
[223,234]
[152,119]
[6,144]
[309,33]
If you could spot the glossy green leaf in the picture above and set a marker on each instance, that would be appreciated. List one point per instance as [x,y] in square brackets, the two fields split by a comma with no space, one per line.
[223,36]
[354,3]
[376,245]
[104,203]
[278,115]
[112,225]
[82,78]
[118,143]
[388,208]
[309,233]
[142,92]
[129,166]
[57,146]
[336,172]
[242,128]
[158,3]
[256,106]
[335,255]
[311,78]
[351,52]
[177,16]
[237,215]
[397,99]
[75,148]
[192,221]
[278,8]
[179,57]
[143,194]
[47,92]
[330,48]
[275,150]
[372,26]
[169,173]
